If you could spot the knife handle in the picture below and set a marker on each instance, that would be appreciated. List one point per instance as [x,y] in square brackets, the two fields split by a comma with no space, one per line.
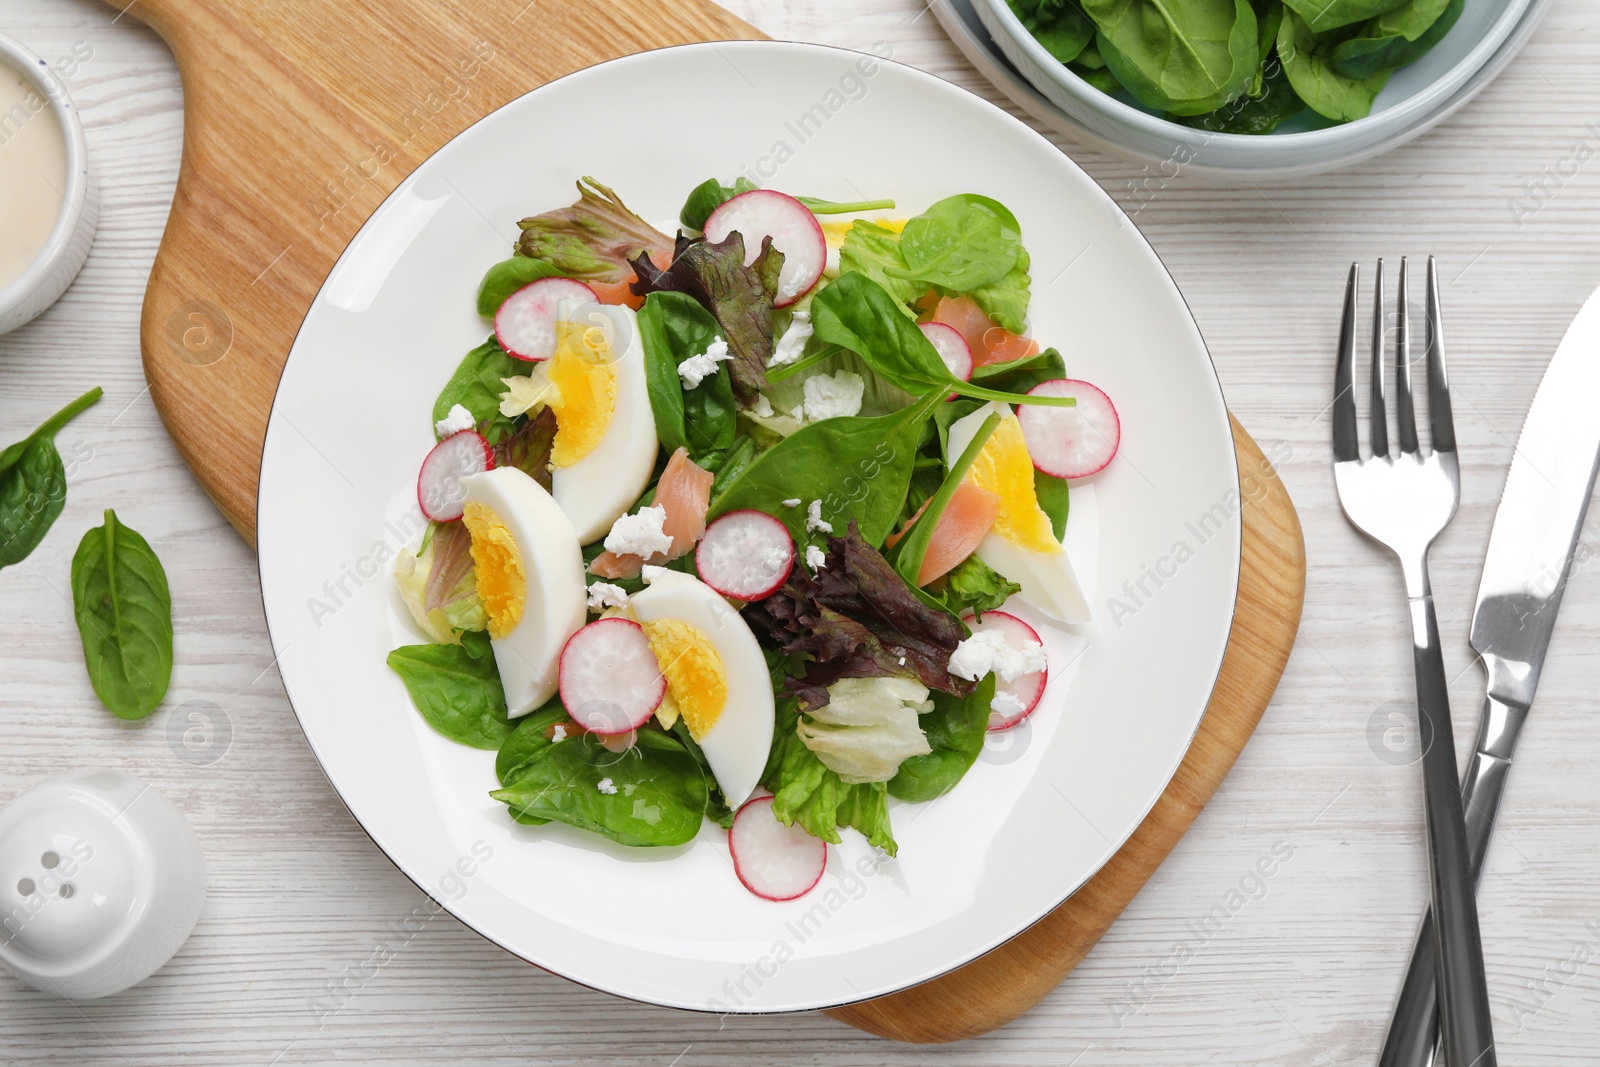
[1414,1028]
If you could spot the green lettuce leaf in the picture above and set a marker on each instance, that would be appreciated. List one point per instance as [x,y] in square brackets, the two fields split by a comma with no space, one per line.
[807,793]
[874,251]
[972,588]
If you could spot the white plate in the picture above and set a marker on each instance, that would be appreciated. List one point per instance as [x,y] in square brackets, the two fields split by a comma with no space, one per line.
[1042,810]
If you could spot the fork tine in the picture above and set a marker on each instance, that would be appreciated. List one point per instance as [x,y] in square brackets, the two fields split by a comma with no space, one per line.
[1405,411]
[1346,445]
[1379,417]
[1441,424]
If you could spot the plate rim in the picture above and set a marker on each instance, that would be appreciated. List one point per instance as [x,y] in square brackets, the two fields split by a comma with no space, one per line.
[1235,525]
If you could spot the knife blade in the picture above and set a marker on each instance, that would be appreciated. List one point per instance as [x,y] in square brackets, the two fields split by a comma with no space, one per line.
[1531,547]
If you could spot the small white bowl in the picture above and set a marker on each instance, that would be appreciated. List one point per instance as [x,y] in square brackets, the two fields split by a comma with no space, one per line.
[64,251]
[1406,106]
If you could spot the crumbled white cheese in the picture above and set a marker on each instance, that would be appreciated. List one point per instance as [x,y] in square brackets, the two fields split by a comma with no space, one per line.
[831,395]
[459,419]
[989,651]
[559,733]
[793,342]
[697,369]
[814,519]
[792,502]
[606,786]
[1006,706]
[762,408]
[814,558]
[604,595]
[650,573]
[640,534]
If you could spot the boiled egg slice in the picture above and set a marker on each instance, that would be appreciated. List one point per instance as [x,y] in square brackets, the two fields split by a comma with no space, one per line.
[529,569]
[1021,545]
[605,444]
[716,675]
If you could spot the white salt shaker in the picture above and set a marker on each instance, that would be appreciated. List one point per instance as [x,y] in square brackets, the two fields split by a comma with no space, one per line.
[101,882]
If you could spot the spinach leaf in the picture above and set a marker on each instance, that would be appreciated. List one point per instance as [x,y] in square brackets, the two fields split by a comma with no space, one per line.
[717,808]
[476,385]
[527,739]
[1052,493]
[674,327]
[1187,57]
[124,613]
[457,689]
[731,467]
[856,313]
[739,297]
[1260,112]
[858,466]
[1324,89]
[506,277]
[1059,25]
[33,484]
[593,240]
[912,548]
[1006,301]
[1396,38]
[806,792]
[1020,375]
[874,251]
[1098,77]
[961,243]
[955,730]
[1324,15]
[972,588]
[656,795]
[707,197]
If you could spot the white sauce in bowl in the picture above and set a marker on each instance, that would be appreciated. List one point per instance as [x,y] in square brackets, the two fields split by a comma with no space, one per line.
[33,172]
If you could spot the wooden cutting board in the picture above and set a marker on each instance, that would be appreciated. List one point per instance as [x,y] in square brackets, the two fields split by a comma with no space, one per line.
[300,116]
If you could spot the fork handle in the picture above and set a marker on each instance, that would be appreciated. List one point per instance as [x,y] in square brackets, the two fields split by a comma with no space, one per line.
[1415,1026]
[1466,1032]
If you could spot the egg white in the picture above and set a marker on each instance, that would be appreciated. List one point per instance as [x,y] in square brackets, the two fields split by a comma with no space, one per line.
[737,746]
[1047,579]
[602,486]
[552,560]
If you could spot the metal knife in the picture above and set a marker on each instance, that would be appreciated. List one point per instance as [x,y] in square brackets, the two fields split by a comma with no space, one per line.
[1535,534]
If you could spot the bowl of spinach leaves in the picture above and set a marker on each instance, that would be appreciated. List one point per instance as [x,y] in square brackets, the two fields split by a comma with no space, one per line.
[1252,85]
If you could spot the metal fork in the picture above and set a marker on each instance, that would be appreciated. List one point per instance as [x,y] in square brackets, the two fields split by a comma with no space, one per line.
[1403,502]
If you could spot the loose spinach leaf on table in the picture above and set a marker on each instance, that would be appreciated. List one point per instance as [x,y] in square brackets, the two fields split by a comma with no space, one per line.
[1311,73]
[673,328]
[858,466]
[33,484]
[594,239]
[1059,25]
[955,730]
[806,792]
[961,243]
[476,385]
[739,297]
[1396,38]
[856,313]
[124,614]
[506,277]
[1187,57]
[457,689]
[658,792]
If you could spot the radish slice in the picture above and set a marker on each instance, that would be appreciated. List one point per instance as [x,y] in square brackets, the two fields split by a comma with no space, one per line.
[1071,442]
[951,346]
[763,213]
[610,680]
[745,554]
[1018,697]
[440,493]
[774,861]
[525,325]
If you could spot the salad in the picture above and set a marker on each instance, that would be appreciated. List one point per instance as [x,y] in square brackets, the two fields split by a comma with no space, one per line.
[721,526]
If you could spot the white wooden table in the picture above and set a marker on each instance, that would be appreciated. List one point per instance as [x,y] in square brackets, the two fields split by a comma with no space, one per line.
[303,908]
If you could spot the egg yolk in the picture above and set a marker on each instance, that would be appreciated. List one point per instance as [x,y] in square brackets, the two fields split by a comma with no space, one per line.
[1004,469]
[697,683]
[585,394]
[502,583]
